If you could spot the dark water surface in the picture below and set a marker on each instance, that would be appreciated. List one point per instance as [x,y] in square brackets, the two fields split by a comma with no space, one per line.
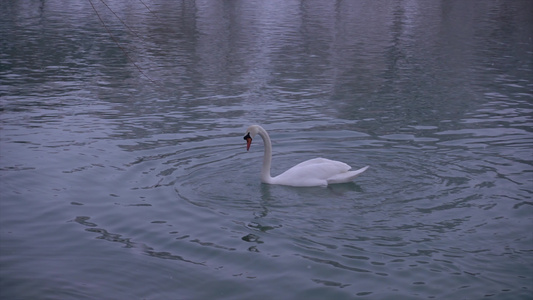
[124,175]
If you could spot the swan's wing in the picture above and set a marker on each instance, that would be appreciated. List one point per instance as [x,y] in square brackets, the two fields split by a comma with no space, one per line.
[313,172]
[346,176]
[336,165]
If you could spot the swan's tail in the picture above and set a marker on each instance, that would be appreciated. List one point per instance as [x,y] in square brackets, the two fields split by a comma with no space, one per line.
[346,177]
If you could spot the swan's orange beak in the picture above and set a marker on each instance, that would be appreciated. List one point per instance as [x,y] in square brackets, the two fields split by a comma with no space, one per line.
[248,139]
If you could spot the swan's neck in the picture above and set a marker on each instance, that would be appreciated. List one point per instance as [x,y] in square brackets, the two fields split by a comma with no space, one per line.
[267,157]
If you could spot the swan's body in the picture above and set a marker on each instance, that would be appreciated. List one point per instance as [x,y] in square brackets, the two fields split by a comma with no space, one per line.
[313,172]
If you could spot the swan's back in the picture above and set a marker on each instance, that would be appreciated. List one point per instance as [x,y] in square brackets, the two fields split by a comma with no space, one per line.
[338,165]
[314,172]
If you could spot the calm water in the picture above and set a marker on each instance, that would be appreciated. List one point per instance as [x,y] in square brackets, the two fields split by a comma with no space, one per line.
[124,175]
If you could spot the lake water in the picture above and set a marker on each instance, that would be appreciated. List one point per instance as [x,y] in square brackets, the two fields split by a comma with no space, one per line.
[124,174]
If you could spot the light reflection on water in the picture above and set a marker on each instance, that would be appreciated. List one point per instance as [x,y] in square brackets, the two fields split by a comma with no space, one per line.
[113,186]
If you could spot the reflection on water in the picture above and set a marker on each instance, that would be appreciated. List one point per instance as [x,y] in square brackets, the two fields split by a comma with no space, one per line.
[121,155]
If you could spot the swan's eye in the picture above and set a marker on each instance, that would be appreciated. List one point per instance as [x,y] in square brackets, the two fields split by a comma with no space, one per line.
[247,136]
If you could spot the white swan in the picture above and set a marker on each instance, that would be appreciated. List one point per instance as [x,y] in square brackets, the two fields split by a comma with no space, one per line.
[313,172]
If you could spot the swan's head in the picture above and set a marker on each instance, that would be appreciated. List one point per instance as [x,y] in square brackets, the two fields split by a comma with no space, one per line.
[251,132]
